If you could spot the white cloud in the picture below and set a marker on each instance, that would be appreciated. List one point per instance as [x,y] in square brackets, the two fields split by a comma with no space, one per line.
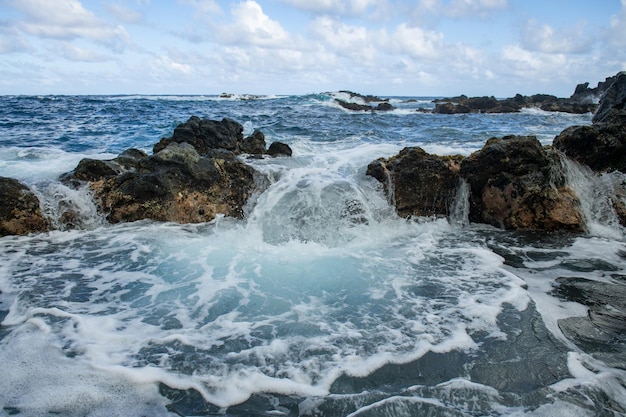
[67,19]
[544,38]
[251,26]
[416,42]
[344,40]
[74,53]
[12,40]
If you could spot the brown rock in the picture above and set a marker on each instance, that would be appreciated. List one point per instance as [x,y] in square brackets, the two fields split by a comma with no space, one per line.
[20,213]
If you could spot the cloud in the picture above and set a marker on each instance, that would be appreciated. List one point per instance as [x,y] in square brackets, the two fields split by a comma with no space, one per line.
[123,13]
[203,7]
[416,42]
[339,7]
[342,39]
[251,26]
[74,53]
[544,38]
[617,31]
[12,40]
[67,19]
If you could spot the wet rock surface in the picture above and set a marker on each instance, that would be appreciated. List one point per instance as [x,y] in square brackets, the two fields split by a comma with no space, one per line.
[190,178]
[419,183]
[20,212]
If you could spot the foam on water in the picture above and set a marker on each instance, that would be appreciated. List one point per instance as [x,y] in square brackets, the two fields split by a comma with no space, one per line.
[321,302]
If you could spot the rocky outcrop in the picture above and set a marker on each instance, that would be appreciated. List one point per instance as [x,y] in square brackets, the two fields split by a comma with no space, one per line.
[359,102]
[205,134]
[20,212]
[601,146]
[190,178]
[514,182]
[419,183]
[464,104]
[583,100]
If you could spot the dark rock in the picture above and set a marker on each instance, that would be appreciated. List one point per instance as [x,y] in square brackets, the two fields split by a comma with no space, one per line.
[279,149]
[205,134]
[177,184]
[422,184]
[612,108]
[254,144]
[601,146]
[95,169]
[515,183]
[20,212]
[382,104]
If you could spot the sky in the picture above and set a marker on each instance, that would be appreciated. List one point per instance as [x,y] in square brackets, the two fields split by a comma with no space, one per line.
[381,47]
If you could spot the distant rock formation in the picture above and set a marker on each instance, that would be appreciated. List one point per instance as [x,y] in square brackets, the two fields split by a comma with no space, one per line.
[583,100]
[20,213]
[363,102]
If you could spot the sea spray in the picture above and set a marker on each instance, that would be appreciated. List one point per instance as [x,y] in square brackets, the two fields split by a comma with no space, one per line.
[596,193]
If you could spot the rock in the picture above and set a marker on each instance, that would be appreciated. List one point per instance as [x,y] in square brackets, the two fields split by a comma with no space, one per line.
[612,108]
[515,183]
[20,212]
[254,144]
[422,184]
[364,103]
[177,184]
[279,149]
[205,134]
[601,146]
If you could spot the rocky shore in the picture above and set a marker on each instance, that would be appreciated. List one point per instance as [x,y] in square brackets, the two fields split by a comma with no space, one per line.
[514,182]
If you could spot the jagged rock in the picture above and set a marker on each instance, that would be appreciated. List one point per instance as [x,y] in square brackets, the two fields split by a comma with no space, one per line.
[177,184]
[612,108]
[601,146]
[422,184]
[205,135]
[20,212]
[515,183]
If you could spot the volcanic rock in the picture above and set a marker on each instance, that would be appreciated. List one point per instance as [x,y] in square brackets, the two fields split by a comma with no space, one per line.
[177,184]
[20,212]
[601,146]
[515,183]
[419,183]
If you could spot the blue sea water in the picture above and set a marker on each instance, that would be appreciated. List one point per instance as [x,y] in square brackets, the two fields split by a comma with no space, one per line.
[301,308]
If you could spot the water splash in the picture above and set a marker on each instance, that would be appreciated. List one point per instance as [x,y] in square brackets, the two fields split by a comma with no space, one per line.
[597,194]
[459,212]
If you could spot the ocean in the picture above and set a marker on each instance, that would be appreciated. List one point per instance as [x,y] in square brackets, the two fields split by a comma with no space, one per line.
[298,309]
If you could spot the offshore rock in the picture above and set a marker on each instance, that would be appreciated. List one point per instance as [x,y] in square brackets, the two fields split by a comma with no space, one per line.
[601,146]
[20,212]
[419,183]
[515,183]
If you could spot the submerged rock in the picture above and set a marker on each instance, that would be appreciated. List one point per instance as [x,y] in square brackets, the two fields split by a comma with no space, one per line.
[20,211]
[515,183]
[419,183]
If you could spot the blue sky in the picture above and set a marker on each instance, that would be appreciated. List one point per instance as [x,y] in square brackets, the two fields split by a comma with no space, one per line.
[384,47]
